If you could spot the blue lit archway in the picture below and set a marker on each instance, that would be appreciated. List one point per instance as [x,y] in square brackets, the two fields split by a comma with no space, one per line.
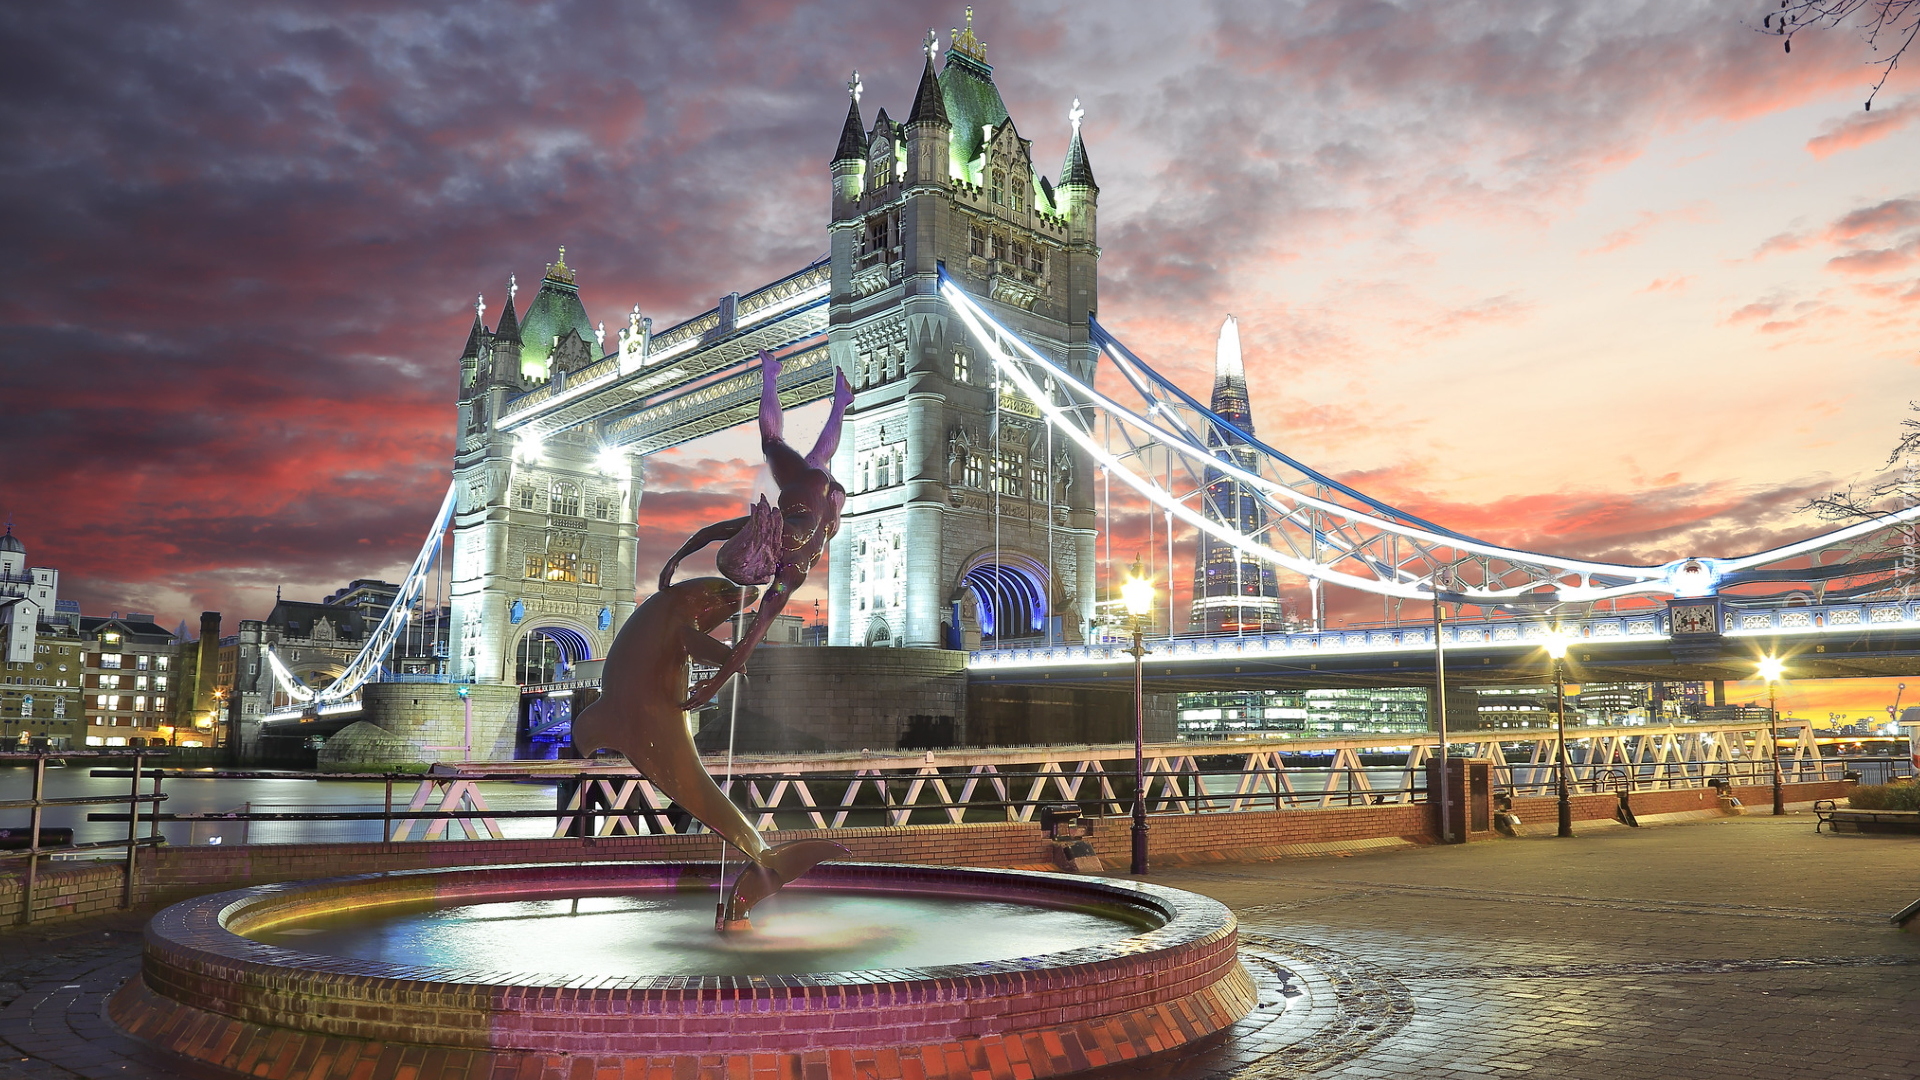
[547,653]
[1010,599]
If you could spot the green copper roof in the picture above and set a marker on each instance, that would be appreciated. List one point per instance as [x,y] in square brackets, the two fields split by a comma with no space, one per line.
[972,102]
[556,310]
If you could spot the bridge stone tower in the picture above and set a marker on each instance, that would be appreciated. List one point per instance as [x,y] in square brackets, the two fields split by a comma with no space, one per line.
[543,528]
[965,519]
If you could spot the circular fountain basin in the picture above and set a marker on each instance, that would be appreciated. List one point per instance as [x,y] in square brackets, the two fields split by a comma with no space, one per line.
[555,968]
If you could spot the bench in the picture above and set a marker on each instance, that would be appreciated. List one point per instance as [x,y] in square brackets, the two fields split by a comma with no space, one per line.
[1826,812]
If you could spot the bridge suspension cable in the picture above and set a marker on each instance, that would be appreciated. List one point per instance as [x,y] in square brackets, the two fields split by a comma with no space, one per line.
[374,654]
[1172,450]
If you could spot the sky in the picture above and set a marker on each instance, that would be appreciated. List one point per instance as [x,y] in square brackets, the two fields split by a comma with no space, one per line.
[1613,280]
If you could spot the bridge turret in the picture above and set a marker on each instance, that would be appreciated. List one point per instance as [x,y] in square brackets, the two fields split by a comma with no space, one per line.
[505,369]
[849,157]
[929,133]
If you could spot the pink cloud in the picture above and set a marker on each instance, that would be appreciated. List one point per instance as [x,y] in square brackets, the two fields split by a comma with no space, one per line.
[1860,128]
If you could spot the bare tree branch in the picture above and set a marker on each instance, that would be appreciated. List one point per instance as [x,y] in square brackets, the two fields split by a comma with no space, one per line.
[1889,26]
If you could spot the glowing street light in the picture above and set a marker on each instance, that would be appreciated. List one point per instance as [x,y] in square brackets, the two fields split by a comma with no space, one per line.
[1556,646]
[1137,594]
[1773,669]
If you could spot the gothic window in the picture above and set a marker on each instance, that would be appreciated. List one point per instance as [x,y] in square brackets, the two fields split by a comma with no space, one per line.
[1019,254]
[536,566]
[603,507]
[526,498]
[962,365]
[997,190]
[1038,263]
[1008,476]
[1016,197]
[1038,470]
[976,471]
[563,566]
[977,241]
[566,498]
[589,573]
[882,478]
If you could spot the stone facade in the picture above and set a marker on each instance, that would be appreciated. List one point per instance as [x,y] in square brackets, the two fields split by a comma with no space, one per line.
[543,529]
[931,453]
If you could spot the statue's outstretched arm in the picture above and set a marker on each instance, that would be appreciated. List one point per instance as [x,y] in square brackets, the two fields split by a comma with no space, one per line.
[719,530]
[773,603]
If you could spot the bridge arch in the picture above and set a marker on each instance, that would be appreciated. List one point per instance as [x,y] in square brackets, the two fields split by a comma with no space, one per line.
[545,650]
[1012,594]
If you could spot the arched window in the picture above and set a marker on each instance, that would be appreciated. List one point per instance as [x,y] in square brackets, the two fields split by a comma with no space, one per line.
[566,498]
[997,189]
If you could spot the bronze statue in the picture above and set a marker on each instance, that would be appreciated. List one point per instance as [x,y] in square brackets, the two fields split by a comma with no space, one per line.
[769,545]
[639,715]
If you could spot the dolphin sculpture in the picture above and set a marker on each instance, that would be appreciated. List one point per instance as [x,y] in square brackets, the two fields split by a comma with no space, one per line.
[639,715]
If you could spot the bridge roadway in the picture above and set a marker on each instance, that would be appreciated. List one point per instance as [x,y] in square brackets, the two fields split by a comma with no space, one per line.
[1831,641]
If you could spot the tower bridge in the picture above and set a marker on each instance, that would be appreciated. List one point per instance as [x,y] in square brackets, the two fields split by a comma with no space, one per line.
[958,295]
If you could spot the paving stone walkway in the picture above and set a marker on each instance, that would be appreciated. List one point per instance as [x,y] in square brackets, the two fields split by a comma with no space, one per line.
[1743,948]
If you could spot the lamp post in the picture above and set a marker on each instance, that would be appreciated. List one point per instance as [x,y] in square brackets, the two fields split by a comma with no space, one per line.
[1557,649]
[1138,596]
[1771,669]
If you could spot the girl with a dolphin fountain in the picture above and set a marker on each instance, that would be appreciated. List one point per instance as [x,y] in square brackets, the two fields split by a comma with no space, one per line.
[644,694]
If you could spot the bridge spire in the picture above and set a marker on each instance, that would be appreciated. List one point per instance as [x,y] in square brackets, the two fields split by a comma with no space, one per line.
[853,135]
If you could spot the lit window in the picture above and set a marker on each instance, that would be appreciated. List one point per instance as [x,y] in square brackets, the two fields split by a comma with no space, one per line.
[159,682]
[107,701]
[590,573]
[564,566]
[141,661]
[109,660]
[536,566]
[109,682]
[140,703]
[26,705]
[159,704]
[160,663]
[140,681]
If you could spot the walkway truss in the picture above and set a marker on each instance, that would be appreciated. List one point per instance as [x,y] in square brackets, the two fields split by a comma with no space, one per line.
[1162,443]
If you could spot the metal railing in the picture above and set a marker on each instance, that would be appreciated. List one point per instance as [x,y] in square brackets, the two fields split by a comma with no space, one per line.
[35,850]
[607,801]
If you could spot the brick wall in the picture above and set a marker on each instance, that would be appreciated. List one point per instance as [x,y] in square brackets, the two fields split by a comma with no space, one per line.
[1546,810]
[68,890]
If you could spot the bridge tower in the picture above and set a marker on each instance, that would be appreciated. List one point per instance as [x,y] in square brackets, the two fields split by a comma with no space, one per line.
[543,529]
[965,519]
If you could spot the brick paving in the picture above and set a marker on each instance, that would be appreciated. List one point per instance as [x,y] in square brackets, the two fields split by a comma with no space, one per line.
[1745,947]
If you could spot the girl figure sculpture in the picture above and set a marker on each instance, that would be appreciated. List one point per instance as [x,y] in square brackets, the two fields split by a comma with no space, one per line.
[769,546]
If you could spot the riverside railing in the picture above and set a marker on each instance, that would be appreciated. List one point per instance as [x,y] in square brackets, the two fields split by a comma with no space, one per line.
[608,800]
[35,850]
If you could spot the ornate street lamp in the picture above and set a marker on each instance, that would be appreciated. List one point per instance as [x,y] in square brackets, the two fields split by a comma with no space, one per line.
[1138,596]
[1772,668]
[1557,648]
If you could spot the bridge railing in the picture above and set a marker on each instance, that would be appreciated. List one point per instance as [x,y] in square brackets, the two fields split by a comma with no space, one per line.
[1415,636]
